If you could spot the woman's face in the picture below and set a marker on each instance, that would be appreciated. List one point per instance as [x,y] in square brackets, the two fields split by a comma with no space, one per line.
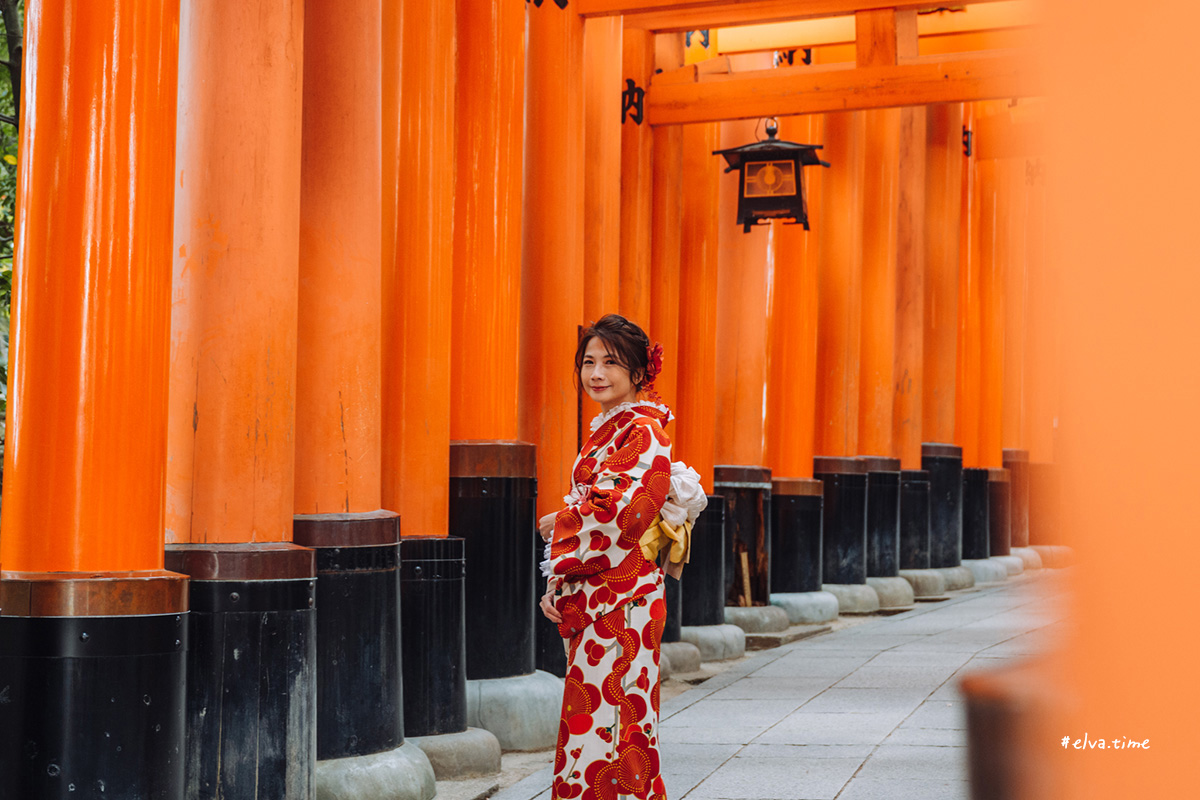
[603,377]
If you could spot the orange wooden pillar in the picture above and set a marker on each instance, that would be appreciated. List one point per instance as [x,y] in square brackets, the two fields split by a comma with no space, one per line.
[231,437]
[665,253]
[552,282]
[740,475]
[943,214]
[492,476]
[909,365]
[418,208]
[967,372]
[839,289]
[602,171]
[337,497]
[637,65]
[86,608]
[695,430]
[791,384]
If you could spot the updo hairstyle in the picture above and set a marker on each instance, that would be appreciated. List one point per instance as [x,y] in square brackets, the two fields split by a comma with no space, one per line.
[624,340]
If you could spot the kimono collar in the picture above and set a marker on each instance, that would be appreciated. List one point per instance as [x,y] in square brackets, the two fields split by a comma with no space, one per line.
[656,410]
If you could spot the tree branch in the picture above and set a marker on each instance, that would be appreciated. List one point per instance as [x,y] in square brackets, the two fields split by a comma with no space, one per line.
[15,37]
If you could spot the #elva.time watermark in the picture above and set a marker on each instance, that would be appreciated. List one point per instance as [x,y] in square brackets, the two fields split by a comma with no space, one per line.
[1122,743]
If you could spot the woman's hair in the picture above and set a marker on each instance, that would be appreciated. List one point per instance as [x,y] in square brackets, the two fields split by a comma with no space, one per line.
[625,340]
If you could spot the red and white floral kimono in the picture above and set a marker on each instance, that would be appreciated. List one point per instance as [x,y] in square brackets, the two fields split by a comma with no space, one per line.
[613,608]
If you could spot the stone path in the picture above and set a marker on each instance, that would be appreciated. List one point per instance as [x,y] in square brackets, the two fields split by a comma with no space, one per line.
[870,711]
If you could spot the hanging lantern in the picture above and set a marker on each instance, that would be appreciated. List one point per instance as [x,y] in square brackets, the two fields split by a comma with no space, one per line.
[771,184]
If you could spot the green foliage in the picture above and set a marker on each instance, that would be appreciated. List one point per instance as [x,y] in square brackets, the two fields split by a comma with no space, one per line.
[8,215]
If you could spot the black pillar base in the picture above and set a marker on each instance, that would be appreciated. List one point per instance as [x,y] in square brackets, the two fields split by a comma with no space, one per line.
[943,462]
[999,509]
[747,493]
[975,513]
[796,508]
[702,589]
[253,629]
[493,507]
[914,519]
[883,516]
[1017,464]
[92,706]
[844,529]
[359,697]
[432,605]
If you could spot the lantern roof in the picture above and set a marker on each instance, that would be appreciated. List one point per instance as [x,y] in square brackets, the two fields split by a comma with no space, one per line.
[771,148]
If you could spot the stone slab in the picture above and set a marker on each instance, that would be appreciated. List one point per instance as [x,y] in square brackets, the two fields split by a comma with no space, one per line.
[401,774]
[893,593]
[1028,556]
[927,584]
[986,571]
[715,642]
[957,578]
[474,753]
[766,641]
[757,619]
[807,608]
[684,657]
[522,712]
[853,598]
[467,789]
[1013,564]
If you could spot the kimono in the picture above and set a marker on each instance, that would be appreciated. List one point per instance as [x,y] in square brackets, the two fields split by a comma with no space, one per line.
[611,597]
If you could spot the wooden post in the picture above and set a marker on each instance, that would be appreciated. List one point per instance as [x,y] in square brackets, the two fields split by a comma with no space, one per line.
[418,208]
[552,272]
[637,65]
[665,252]
[695,430]
[909,369]
[943,213]
[602,172]
[967,374]
[86,608]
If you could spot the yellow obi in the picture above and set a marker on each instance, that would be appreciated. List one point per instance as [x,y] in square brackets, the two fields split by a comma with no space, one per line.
[677,541]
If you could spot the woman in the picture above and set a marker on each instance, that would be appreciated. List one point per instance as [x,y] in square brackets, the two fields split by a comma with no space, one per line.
[604,589]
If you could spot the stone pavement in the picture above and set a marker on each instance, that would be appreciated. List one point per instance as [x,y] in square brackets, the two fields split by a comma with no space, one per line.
[869,711]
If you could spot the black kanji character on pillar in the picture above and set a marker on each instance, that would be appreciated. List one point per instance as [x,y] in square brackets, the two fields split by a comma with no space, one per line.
[559,3]
[632,102]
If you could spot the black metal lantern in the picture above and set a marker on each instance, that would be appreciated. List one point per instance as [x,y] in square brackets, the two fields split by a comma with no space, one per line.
[771,185]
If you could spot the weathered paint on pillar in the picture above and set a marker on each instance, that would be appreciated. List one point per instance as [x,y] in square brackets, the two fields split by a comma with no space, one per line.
[792,322]
[552,269]
[839,289]
[485,341]
[943,214]
[602,171]
[695,430]
[665,251]
[881,174]
[418,210]
[337,349]
[87,414]
[742,275]
[637,64]
[231,442]
[909,369]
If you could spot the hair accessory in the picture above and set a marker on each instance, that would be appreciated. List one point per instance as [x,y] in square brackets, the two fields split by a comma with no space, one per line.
[654,358]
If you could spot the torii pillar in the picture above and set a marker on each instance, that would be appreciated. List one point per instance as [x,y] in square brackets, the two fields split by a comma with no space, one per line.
[93,630]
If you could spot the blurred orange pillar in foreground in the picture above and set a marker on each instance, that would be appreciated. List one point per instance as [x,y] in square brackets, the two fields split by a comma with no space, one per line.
[839,289]
[418,208]
[552,224]
[485,344]
[943,213]
[233,334]
[337,380]
[86,442]
[695,430]
[792,324]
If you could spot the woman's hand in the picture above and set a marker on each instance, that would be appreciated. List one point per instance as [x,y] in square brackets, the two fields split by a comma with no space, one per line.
[546,526]
[548,609]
